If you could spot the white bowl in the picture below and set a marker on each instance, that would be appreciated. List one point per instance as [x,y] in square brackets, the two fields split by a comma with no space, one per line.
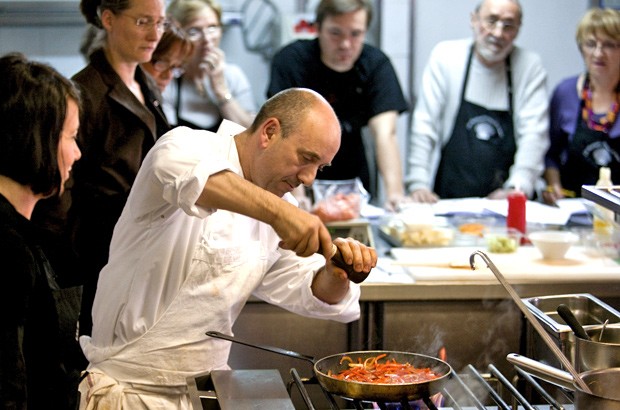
[553,244]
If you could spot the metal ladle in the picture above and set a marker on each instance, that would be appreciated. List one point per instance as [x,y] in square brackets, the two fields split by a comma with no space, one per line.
[532,319]
[572,322]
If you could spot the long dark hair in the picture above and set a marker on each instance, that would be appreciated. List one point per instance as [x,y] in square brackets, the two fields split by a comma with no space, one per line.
[33,107]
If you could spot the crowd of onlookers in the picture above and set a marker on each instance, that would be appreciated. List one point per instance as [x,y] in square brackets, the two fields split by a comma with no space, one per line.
[483,125]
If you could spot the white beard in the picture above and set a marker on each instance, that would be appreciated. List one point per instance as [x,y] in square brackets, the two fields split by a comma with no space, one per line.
[492,56]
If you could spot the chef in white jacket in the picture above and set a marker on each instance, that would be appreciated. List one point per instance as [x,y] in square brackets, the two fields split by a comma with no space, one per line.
[209,222]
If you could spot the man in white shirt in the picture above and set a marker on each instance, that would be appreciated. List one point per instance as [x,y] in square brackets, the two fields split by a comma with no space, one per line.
[480,126]
[209,222]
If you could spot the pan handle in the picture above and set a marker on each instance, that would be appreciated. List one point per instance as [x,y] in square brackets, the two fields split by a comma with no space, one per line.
[271,349]
[542,371]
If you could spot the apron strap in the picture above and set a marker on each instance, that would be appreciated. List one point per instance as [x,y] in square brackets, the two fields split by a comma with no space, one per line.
[508,79]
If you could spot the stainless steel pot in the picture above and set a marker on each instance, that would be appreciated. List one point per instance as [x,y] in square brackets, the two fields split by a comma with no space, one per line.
[603,383]
[598,353]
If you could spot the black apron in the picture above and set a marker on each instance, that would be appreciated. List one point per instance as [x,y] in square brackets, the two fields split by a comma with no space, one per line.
[184,123]
[588,151]
[481,149]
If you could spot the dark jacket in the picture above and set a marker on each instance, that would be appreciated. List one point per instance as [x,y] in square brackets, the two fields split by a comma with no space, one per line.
[116,132]
[32,372]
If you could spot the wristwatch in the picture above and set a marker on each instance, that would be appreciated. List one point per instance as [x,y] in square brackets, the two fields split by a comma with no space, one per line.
[227,97]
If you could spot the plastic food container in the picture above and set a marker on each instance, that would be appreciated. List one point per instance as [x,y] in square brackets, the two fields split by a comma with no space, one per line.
[502,240]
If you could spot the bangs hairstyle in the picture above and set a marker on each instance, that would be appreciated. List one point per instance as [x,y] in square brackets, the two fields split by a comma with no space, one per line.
[172,36]
[599,21]
[33,107]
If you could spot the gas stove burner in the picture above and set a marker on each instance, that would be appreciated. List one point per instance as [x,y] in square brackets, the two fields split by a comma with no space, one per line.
[469,389]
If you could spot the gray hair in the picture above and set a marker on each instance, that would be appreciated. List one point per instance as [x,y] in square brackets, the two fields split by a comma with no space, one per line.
[516,2]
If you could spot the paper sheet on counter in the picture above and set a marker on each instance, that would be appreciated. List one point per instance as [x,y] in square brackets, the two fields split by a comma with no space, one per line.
[386,272]
[525,265]
[536,212]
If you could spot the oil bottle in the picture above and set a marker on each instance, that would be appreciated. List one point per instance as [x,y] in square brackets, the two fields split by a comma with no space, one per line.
[601,221]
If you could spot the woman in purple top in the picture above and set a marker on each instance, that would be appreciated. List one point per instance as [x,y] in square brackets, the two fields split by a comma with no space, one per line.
[585,135]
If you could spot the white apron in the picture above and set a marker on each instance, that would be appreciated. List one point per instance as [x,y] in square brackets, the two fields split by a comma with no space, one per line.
[225,270]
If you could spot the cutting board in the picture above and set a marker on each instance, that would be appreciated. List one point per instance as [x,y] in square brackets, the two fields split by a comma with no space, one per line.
[524,265]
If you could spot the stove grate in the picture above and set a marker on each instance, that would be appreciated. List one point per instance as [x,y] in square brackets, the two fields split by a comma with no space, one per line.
[469,390]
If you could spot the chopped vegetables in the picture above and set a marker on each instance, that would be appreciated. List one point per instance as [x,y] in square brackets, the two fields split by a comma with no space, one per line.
[502,244]
[388,372]
[472,228]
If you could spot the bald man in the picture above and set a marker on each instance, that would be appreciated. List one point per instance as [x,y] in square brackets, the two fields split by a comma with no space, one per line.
[210,222]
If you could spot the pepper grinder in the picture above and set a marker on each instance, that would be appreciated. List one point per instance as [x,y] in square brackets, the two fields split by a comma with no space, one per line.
[516,211]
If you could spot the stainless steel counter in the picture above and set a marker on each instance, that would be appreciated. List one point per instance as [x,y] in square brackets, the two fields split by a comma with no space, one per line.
[476,322]
[450,290]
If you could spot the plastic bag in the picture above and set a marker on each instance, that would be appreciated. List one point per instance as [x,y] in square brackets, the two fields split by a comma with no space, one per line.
[338,200]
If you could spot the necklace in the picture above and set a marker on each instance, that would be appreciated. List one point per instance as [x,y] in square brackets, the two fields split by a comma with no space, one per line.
[595,122]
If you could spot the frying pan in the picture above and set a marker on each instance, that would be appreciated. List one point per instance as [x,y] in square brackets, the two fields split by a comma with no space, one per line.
[365,391]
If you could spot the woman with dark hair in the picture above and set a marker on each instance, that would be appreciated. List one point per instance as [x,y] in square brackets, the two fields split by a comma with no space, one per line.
[39,113]
[121,120]
[170,56]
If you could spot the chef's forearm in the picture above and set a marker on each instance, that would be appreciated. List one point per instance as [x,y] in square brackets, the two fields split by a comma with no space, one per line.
[301,232]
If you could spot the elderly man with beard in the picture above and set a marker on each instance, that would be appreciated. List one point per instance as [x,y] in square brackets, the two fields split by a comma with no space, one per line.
[480,126]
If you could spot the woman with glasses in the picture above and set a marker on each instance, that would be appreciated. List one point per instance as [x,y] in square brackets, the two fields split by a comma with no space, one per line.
[120,121]
[170,57]
[211,89]
[585,135]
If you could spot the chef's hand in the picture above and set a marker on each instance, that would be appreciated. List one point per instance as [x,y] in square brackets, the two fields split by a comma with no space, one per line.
[302,232]
[424,195]
[357,258]
[332,283]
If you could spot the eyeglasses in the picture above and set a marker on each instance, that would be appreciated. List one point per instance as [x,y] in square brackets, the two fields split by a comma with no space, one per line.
[606,46]
[196,33]
[161,66]
[147,23]
[507,26]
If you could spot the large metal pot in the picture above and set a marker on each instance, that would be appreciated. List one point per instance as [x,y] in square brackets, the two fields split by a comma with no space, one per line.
[603,383]
[365,391]
[598,353]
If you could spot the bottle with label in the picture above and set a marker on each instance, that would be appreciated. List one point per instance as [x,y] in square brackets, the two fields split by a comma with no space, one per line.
[516,211]
[515,218]
[603,217]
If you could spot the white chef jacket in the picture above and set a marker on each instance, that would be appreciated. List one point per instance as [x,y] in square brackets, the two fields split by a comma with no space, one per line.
[176,270]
